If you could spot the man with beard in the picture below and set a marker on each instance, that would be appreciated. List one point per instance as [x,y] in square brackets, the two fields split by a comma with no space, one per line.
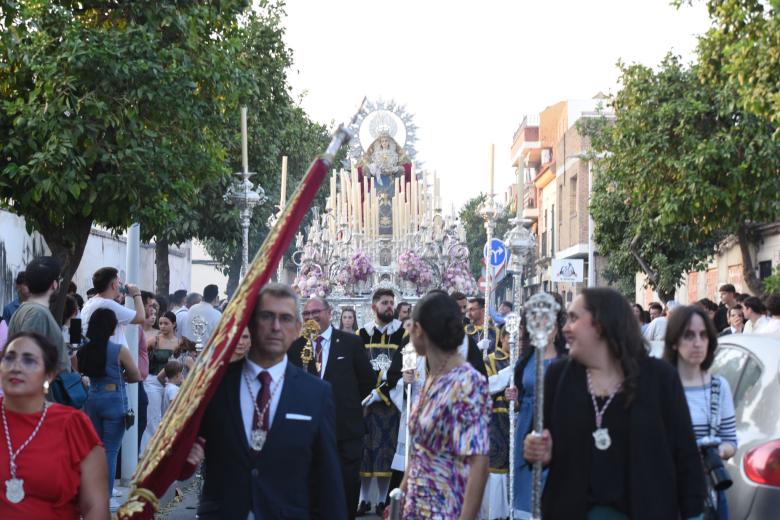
[382,338]
[43,280]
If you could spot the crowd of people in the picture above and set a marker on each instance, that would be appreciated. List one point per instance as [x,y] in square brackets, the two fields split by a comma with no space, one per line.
[344,408]
[88,372]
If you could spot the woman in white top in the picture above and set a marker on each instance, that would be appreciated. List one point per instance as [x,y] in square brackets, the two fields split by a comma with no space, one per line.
[690,344]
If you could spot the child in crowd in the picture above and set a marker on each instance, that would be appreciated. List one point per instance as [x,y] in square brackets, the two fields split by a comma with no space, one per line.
[174,375]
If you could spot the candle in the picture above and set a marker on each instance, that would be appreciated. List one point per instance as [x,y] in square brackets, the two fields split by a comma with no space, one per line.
[492,160]
[283,197]
[244,141]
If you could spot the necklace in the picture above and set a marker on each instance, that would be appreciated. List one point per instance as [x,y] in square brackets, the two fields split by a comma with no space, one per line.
[259,435]
[601,435]
[14,487]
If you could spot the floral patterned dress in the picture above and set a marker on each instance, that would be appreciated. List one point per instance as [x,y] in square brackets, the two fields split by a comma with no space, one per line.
[449,424]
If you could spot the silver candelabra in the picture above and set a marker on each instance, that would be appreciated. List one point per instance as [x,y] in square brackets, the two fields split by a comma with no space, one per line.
[244,195]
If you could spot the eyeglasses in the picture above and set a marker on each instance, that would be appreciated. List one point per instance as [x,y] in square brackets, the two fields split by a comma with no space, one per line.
[312,313]
[269,317]
[28,362]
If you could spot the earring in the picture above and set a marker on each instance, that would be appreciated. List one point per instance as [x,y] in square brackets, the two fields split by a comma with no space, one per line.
[45,386]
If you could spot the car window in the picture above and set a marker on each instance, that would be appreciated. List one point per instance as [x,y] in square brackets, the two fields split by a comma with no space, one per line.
[728,364]
[750,376]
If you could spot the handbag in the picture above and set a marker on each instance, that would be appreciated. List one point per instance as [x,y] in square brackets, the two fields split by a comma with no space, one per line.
[67,389]
[129,417]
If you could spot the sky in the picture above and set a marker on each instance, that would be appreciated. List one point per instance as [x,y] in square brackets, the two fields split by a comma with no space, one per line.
[470,71]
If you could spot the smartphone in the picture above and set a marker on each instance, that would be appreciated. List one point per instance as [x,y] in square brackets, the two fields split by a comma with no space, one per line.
[75,331]
[123,290]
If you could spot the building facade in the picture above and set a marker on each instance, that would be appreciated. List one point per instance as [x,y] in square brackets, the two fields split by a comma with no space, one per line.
[552,159]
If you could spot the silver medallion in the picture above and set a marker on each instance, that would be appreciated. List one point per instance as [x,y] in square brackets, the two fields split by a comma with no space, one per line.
[602,439]
[14,490]
[258,439]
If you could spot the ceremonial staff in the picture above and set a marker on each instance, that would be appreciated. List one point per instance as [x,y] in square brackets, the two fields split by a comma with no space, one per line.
[541,313]
[164,460]
[520,243]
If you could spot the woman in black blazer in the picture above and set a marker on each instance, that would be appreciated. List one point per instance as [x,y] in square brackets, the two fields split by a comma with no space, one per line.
[618,439]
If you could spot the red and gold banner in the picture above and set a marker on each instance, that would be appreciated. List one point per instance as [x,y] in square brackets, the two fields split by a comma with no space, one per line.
[166,453]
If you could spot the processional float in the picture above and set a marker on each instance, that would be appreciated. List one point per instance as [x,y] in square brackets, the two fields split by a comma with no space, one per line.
[166,453]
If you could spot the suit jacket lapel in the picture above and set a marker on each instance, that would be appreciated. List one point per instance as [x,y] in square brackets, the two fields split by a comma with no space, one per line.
[234,380]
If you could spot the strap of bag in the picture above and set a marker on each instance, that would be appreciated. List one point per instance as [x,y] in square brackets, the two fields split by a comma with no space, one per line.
[714,404]
[122,380]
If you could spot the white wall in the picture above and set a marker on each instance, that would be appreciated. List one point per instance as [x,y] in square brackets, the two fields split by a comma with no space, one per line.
[204,272]
[17,248]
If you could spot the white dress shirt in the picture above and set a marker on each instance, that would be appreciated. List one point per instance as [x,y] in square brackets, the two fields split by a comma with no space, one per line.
[251,371]
[325,348]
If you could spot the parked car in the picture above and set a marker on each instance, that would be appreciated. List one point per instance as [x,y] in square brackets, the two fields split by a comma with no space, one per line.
[751,365]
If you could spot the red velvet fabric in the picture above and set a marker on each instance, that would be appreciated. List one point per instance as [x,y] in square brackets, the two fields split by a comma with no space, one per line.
[174,464]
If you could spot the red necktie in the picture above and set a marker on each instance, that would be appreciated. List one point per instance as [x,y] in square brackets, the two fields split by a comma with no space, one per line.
[263,396]
[318,355]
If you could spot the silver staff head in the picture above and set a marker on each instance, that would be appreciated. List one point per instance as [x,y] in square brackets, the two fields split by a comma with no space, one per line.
[409,357]
[541,312]
[512,322]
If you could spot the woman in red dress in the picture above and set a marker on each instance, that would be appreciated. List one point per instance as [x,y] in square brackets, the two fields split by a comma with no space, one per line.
[52,465]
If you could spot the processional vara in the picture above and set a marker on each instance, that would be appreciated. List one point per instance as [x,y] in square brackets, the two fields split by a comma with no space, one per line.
[166,453]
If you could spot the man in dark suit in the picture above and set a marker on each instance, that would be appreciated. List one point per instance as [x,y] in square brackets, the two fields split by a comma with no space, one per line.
[343,363]
[270,429]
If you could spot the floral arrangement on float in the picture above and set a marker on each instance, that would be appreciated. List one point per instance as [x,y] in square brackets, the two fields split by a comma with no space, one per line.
[358,269]
[457,277]
[413,269]
[311,281]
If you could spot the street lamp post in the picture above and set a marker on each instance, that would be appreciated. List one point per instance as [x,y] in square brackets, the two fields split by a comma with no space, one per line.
[243,195]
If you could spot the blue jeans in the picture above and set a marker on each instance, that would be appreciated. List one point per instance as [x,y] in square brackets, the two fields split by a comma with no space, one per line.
[106,410]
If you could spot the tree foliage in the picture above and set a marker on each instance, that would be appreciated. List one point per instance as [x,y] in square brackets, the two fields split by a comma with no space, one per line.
[680,167]
[742,51]
[297,137]
[110,111]
[476,235]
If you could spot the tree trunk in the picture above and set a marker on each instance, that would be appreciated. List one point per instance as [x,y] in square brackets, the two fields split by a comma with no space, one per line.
[163,267]
[234,273]
[748,270]
[663,293]
[67,248]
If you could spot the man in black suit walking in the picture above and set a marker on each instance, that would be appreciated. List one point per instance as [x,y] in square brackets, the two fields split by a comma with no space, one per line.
[270,429]
[341,360]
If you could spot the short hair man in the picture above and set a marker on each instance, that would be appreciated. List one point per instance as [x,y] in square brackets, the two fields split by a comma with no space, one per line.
[485,338]
[269,429]
[655,310]
[22,293]
[736,321]
[755,314]
[463,302]
[341,360]
[728,299]
[108,285]
[206,311]
[42,279]
[403,310]
[179,308]
[383,339]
